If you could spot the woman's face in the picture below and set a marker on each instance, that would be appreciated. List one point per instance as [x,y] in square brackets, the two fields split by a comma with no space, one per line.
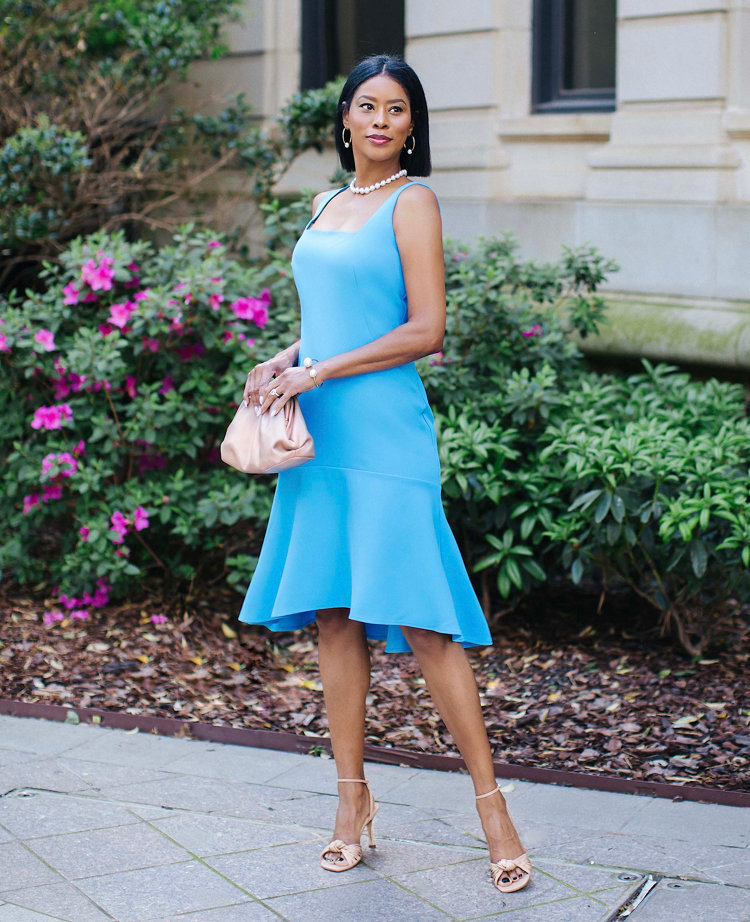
[379,118]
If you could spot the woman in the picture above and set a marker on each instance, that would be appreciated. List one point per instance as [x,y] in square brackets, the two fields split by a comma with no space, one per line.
[357,538]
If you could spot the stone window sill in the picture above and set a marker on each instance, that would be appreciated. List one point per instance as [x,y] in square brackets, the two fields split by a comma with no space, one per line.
[568,126]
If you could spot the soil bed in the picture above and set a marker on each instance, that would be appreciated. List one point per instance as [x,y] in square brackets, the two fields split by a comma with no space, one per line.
[562,687]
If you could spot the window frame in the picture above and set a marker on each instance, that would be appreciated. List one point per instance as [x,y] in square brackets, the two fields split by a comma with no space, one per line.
[548,63]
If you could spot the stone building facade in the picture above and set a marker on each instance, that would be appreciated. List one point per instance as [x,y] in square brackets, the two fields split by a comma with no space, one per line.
[655,172]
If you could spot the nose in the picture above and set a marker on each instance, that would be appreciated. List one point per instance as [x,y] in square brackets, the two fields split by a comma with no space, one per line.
[381,120]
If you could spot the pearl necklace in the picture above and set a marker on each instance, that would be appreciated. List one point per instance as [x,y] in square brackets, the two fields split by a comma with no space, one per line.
[363,190]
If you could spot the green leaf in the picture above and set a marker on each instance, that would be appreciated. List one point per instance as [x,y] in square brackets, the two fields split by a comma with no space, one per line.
[602,507]
[698,557]
[576,570]
[585,500]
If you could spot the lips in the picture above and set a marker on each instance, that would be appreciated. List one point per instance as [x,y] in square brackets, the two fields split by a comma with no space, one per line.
[378,137]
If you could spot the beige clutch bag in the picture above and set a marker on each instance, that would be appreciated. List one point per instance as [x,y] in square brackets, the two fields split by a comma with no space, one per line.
[267,444]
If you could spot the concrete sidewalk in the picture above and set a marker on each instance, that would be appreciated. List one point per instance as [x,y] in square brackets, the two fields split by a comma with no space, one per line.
[99,824]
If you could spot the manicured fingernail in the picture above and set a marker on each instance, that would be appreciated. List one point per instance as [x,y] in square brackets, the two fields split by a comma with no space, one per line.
[274,412]
[257,411]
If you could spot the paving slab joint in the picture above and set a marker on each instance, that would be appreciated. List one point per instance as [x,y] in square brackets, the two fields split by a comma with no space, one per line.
[635,900]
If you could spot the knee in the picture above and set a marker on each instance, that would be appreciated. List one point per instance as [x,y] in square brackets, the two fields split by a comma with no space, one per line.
[332,621]
[426,642]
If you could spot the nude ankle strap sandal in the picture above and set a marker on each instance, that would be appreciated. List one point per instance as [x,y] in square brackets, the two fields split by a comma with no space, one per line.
[501,870]
[349,854]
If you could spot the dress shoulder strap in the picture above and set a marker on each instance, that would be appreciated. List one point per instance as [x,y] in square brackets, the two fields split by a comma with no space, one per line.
[412,182]
[326,199]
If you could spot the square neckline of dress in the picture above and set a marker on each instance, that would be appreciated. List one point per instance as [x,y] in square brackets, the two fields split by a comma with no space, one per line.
[323,230]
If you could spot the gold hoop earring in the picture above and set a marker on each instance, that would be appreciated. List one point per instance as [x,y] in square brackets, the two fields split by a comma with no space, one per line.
[343,137]
[413,144]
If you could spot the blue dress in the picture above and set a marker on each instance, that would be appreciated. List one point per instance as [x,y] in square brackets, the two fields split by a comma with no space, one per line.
[362,525]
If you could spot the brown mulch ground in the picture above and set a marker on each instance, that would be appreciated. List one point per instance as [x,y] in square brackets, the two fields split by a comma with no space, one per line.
[561,688]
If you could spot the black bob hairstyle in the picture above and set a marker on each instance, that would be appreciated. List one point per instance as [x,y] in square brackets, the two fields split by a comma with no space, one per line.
[418,163]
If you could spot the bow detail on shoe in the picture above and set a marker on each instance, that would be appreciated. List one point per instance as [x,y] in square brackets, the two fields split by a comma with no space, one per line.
[502,868]
[351,853]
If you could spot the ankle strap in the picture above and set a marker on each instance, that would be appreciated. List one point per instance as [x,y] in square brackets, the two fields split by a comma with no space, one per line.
[489,793]
[363,780]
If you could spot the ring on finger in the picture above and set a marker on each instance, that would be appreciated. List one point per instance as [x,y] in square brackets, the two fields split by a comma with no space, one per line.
[274,392]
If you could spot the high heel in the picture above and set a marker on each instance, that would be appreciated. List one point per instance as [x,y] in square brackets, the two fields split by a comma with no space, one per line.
[350,854]
[500,870]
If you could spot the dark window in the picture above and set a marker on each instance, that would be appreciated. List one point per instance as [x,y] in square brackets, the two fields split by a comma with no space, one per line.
[574,55]
[337,33]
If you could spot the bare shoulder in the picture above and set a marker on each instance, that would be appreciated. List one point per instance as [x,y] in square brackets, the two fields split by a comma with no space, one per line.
[417,206]
[319,198]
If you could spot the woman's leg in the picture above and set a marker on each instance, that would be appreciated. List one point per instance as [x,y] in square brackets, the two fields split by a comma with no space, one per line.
[344,660]
[451,682]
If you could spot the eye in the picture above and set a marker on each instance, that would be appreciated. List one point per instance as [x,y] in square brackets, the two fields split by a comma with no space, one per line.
[365,105]
[396,109]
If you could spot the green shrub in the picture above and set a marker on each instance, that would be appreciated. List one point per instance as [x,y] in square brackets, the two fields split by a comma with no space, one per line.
[654,469]
[507,363]
[117,381]
[552,471]
[87,140]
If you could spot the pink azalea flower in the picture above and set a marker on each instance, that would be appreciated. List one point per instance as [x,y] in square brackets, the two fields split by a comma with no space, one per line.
[80,448]
[68,464]
[89,296]
[98,276]
[141,295]
[167,385]
[71,294]
[100,596]
[61,388]
[150,344]
[533,331]
[214,301]
[119,525]
[228,336]
[45,338]
[4,347]
[119,314]
[255,309]
[79,614]
[84,532]
[217,279]
[140,519]
[48,462]
[51,491]
[29,502]
[151,463]
[51,417]
[76,381]
[213,243]
[158,619]
[179,286]
[133,267]
[130,386]
[437,358]
[459,256]
[51,616]
[187,352]
[105,329]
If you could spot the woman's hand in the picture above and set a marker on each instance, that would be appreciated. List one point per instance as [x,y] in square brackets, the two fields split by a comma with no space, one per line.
[280,391]
[260,378]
